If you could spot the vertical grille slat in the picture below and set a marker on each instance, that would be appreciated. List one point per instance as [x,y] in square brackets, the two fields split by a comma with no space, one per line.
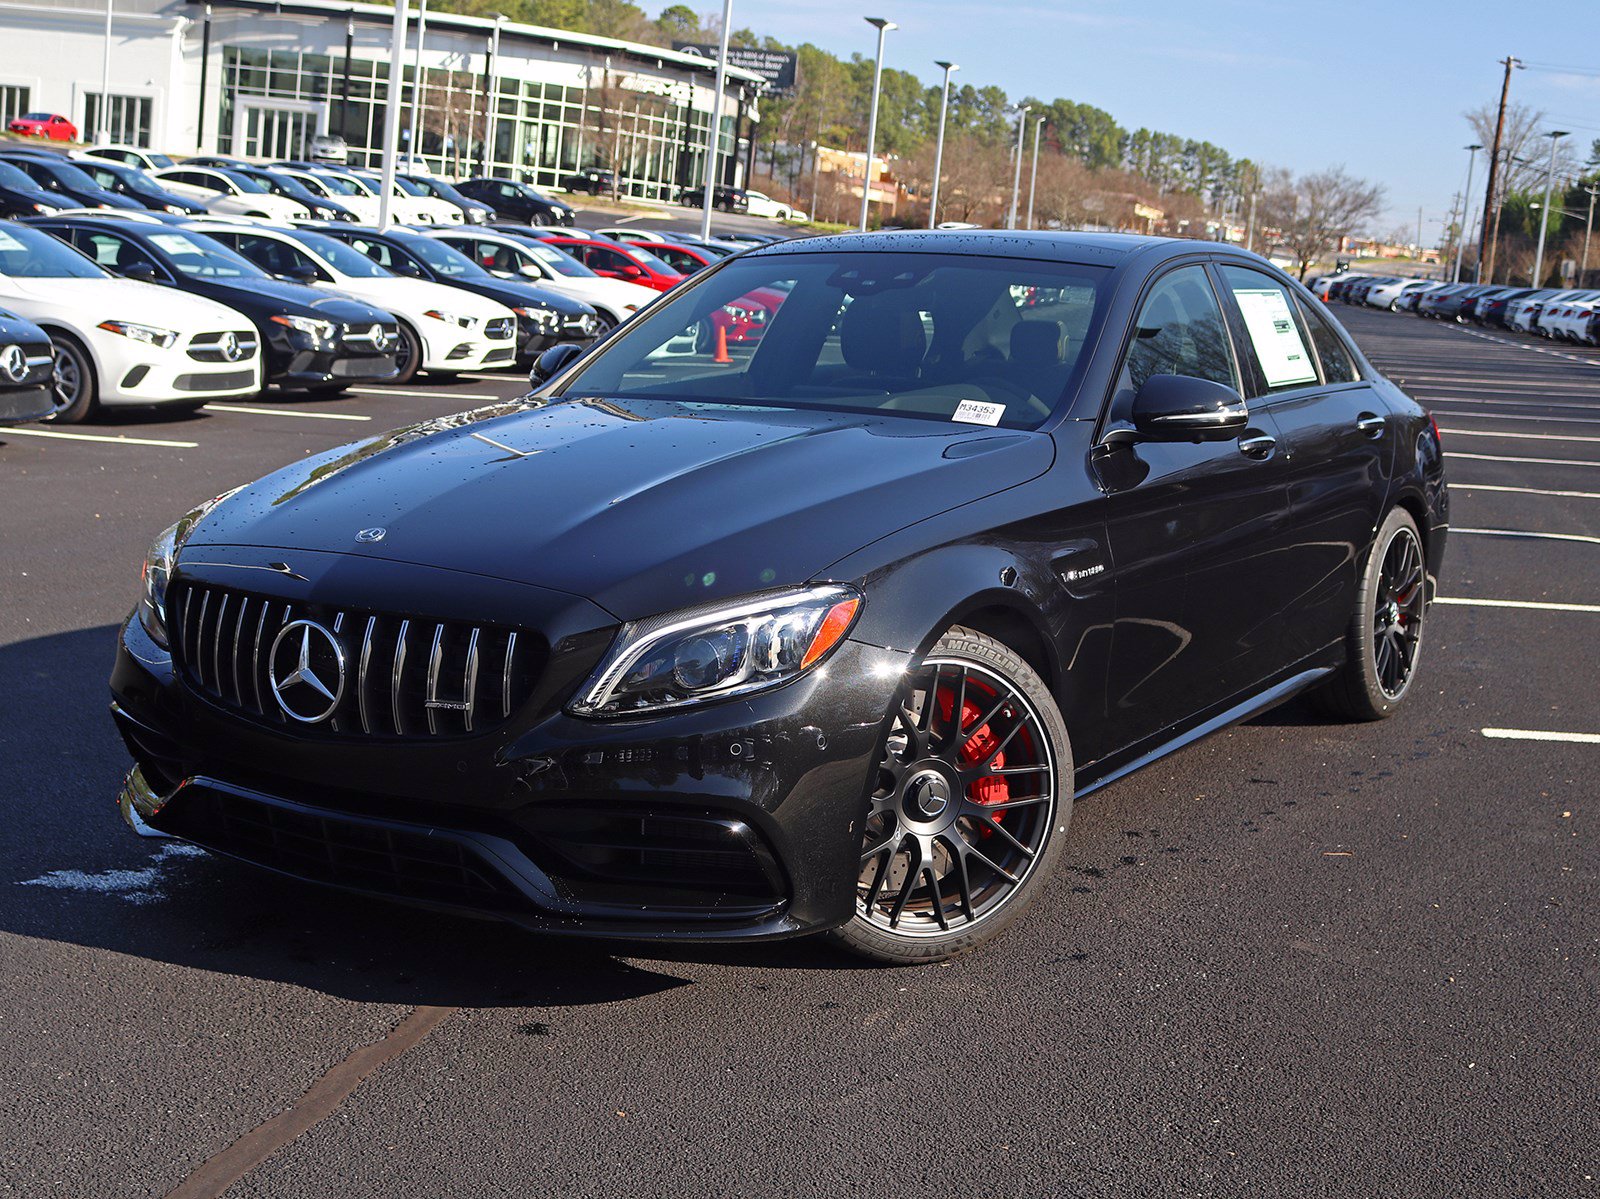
[469,683]
[222,642]
[361,674]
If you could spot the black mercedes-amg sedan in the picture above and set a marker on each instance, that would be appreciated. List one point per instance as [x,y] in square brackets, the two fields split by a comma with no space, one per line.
[313,340]
[26,361]
[823,631]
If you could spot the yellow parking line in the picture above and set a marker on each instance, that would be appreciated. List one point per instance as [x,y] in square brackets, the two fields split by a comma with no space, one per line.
[171,445]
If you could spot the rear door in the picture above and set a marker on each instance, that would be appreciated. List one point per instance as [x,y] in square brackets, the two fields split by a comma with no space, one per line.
[1336,444]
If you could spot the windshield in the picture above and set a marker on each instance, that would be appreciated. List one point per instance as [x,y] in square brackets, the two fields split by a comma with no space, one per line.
[939,337]
[358,186]
[246,183]
[11,177]
[410,188]
[651,262]
[347,260]
[70,176]
[201,258]
[561,264]
[109,177]
[337,186]
[160,160]
[446,260]
[31,254]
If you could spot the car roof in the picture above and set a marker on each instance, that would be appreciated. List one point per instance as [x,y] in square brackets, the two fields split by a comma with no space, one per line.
[1106,249]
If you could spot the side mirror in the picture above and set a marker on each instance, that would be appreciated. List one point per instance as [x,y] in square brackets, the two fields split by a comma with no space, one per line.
[632,272]
[302,273]
[1183,408]
[552,362]
[531,271]
[141,272]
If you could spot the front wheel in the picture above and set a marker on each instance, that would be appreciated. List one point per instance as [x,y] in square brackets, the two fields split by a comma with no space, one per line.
[74,389]
[1384,641]
[969,807]
[409,358]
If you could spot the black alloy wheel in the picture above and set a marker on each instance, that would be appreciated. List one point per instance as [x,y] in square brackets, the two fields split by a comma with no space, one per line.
[1384,641]
[408,357]
[74,389]
[967,812]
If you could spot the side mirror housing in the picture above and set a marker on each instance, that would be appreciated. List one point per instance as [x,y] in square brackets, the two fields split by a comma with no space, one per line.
[552,362]
[141,272]
[300,274]
[632,272]
[1183,408]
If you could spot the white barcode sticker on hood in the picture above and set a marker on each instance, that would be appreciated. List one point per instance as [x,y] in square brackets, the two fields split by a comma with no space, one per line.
[978,412]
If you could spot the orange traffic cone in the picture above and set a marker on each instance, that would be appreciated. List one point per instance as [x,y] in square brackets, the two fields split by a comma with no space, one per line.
[721,356]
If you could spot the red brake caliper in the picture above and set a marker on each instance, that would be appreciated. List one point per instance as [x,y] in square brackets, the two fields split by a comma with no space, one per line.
[980,744]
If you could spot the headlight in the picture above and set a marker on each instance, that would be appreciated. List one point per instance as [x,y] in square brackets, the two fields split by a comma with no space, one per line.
[148,334]
[175,210]
[448,317]
[546,319]
[714,652]
[157,571]
[321,330]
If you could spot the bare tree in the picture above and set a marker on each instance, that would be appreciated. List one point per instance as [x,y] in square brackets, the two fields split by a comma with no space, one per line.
[1524,156]
[1313,212]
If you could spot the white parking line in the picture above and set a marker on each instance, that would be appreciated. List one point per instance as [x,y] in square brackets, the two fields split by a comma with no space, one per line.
[1565,495]
[1531,349]
[284,412]
[1525,533]
[425,395]
[1431,398]
[1530,605]
[1554,420]
[171,445]
[1542,735]
[1518,436]
[1527,461]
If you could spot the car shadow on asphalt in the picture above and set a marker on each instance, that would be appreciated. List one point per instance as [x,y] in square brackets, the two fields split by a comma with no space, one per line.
[71,871]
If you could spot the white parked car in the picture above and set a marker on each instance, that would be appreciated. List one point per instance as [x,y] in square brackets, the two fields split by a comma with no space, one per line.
[1387,293]
[121,342]
[511,256]
[410,203]
[1568,319]
[445,329]
[1520,314]
[133,156]
[334,187]
[761,204]
[229,192]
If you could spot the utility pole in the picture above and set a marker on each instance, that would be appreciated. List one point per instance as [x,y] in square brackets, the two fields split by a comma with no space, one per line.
[1250,229]
[205,63]
[1588,229]
[104,122]
[1491,209]
[1419,232]
[344,83]
[416,84]
[1033,177]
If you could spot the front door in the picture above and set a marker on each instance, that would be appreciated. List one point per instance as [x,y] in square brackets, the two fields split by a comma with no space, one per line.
[1187,524]
[276,129]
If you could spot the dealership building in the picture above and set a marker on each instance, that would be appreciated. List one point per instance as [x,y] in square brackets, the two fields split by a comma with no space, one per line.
[259,78]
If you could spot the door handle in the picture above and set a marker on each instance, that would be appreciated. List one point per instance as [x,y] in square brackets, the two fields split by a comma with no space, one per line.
[1371,425]
[1257,445]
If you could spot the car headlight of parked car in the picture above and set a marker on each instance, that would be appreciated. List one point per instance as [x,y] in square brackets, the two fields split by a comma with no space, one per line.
[448,318]
[701,654]
[149,334]
[309,325]
[545,320]
[158,564]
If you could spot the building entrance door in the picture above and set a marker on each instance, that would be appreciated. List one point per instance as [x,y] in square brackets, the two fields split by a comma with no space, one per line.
[276,129]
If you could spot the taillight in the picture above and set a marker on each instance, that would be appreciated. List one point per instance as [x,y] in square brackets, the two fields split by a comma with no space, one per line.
[1434,425]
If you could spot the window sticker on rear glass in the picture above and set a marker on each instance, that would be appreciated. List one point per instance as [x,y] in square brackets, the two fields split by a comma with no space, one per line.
[978,412]
[175,243]
[1275,336]
[7,242]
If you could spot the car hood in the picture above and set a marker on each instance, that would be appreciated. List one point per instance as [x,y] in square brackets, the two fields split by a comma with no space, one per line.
[515,294]
[90,301]
[413,297]
[640,506]
[279,295]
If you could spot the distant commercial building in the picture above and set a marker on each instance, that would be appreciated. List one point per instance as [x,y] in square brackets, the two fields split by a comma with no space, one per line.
[259,78]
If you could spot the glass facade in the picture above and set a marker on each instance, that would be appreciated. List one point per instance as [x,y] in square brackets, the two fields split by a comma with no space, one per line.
[538,132]
[128,121]
[14,101]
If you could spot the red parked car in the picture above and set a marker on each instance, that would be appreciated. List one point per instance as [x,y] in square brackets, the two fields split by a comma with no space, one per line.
[686,260]
[617,261]
[45,124]
[745,319]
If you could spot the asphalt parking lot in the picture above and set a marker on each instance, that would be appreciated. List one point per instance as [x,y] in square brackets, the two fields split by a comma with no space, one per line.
[1297,959]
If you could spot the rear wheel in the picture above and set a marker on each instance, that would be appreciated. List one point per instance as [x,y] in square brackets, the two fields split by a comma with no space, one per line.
[968,810]
[74,387]
[1384,641]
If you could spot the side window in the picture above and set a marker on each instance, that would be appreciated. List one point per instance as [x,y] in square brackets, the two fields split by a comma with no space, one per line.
[1275,338]
[115,253]
[1337,365]
[272,255]
[1180,332]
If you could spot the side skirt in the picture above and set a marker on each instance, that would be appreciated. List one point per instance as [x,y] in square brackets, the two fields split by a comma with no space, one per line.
[1253,706]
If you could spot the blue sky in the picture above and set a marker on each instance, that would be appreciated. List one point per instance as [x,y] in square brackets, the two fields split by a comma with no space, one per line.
[1377,86]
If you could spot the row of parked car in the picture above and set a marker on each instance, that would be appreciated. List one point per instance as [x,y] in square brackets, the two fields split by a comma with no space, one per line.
[1571,314]
[153,303]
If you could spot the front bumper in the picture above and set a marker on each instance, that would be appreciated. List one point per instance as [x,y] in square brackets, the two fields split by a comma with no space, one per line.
[446,348]
[738,821]
[18,404]
[301,364]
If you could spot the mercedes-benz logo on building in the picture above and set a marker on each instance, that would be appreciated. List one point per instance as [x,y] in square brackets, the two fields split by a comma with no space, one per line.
[231,350]
[306,670]
[15,363]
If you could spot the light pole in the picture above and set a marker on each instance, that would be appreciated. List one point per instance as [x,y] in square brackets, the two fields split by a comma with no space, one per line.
[1588,229]
[938,151]
[1033,174]
[883,27]
[391,110]
[714,137]
[416,83]
[1466,203]
[1016,174]
[491,115]
[1555,135]
[105,81]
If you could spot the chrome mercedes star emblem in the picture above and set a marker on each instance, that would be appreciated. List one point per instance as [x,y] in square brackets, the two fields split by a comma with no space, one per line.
[375,335]
[371,536]
[306,670]
[230,347]
[15,363]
